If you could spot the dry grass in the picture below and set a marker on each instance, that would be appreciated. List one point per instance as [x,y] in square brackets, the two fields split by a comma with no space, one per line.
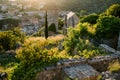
[114,66]
[42,41]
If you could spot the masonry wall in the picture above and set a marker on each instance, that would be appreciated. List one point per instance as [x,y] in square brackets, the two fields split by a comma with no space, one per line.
[55,72]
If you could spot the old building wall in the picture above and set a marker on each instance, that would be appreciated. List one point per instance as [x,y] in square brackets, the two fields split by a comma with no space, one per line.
[53,17]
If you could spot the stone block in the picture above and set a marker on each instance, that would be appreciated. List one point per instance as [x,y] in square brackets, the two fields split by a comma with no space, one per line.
[106,48]
[80,72]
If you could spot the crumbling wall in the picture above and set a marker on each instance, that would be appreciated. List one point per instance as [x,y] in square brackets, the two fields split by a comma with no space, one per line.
[99,63]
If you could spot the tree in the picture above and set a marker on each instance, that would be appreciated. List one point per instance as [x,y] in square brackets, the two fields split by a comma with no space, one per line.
[114,10]
[92,19]
[52,28]
[9,22]
[46,26]
[107,26]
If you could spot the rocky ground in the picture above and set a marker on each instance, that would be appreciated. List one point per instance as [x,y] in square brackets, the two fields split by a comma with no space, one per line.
[110,76]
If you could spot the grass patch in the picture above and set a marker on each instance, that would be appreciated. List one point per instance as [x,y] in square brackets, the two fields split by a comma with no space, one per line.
[114,66]
[8,63]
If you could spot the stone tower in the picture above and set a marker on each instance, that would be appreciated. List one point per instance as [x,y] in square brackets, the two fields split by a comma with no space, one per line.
[53,13]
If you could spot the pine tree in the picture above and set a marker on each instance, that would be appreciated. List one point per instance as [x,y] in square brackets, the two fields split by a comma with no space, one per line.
[46,26]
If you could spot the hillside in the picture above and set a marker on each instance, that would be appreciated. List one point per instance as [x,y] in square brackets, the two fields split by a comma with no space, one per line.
[90,6]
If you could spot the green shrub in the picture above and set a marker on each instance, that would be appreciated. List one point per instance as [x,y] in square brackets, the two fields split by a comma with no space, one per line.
[32,58]
[92,19]
[9,39]
[114,10]
[35,54]
[75,45]
[11,23]
[107,26]
[60,23]
[18,33]
[52,28]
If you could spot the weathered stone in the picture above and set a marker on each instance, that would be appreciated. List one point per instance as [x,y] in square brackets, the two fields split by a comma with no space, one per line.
[3,76]
[118,47]
[77,67]
[80,72]
[51,74]
[110,76]
[72,19]
[106,48]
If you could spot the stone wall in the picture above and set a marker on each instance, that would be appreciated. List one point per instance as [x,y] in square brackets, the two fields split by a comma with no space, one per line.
[118,46]
[53,17]
[58,72]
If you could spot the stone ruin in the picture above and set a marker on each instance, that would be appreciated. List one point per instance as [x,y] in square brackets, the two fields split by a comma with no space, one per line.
[79,69]
[72,19]
[53,18]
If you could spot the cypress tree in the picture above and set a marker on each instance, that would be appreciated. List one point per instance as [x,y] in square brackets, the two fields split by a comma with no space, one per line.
[46,26]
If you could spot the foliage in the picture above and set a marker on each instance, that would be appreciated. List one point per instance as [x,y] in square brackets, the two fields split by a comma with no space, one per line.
[52,28]
[7,59]
[114,66]
[9,39]
[107,26]
[92,18]
[60,23]
[74,44]
[35,54]
[18,33]
[37,33]
[8,62]
[46,26]
[83,12]
[9,22]
[114,10]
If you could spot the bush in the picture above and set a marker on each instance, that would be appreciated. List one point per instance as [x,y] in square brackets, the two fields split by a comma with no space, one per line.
[32,58]
[35,54]
[114,10]
[60,23]
[52,28]
[107,26]
[75,45]
[18,33]
[9,39]
[11,23]
[92,19]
